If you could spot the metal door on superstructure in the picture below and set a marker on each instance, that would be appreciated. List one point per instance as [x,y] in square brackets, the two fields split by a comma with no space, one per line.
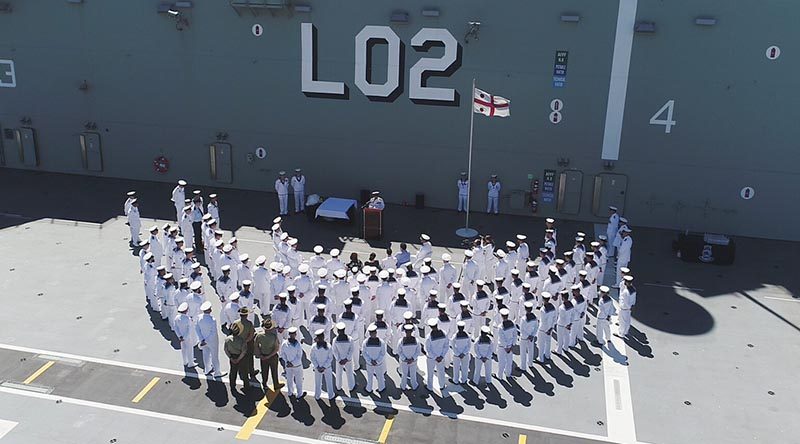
[570,184]
[221,165]
[609,190]
[91,152]
[26,142]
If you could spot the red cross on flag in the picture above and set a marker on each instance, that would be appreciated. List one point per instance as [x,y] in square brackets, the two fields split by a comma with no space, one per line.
[489,105]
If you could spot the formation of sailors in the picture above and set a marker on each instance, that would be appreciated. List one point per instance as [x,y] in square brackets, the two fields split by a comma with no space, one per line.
[501,300]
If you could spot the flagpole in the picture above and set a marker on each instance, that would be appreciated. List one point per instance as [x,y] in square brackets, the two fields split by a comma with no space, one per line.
[467,231]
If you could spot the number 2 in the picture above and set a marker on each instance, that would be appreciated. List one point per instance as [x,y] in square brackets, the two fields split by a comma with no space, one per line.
[668,123]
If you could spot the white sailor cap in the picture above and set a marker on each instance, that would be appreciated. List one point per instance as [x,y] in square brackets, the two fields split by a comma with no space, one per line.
[553,269]
[165,227]
[550,220]
[319,332]
[521,237]
[347,302]
[424,237]
[594,244]
[544,250]
[446,257]
[320,306]
[318,249]
[153,228]
[226,268]
[425,269]
[456,285]
[575,287]
[401,291]
[499,278]
[376,193]
[183,307]
[354,289]
[602,237]
[530,264]
[275,266]
[168,276]
[494,176]
[196,192]
[486,330]
[433,322]
[292,242]
[560,261]
[408,315]
[464,303]
[372,327]
[340,273]
[379,312]
[568,253]
[383,274]
[335,252]
[148,256]
[361,278]
[206,217]
[433,293]
[604,289]
[286,269]
[590,254]
[292,330]
[219,233]
[277,220]
[461,324]
[196,285]
[627,278]
[624,270]
[284,236]
[297,170]
[468,253]
[463,173]
[623,220]
[549,231]
[282,173]
[341,326]
[205,306]
[510,244]
[234,296]
[322,287]
[427,261]
[515,271]
[276,227]
[183,281]
[578,238]
[408,327]
[131,193]
[303,268]
[212,196]
[528,305]
[161,268]
[526,285]
[244,257]
[583,273]
[248,282]
[500,253]
[195,265]
[546,295]
[261,260]
[612,208]
[283,295]
[322,272]
[218,243]
[480,282]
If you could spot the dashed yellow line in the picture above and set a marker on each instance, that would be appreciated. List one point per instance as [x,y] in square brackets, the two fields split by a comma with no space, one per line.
[146,389]
[39,372]
[387,427]
[523,439]
[262,407]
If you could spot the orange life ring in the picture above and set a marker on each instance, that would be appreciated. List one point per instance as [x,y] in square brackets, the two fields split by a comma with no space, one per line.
[161,164]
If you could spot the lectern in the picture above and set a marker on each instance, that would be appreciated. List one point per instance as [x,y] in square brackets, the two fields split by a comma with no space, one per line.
[372,223]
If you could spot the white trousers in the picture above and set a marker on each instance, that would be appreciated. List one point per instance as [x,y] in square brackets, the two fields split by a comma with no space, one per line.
[576,334]
[624,321]
[328,375]
[348,370]
[438,368]
[179,211]
[211,358]
[357,354]
[294,380]
[187,352]
[135,234]
[461,369]
[505,362]
[620,264]
[526,352]
[378,372]
[408,372]
[462,202]
[545,343]
[283,202]
[492,205]
[485,367]
[150,292]
[299,201]
[603,331]
[563,338]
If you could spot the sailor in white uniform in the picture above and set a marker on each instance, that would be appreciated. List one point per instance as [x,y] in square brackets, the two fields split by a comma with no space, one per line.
[321,362]
[605,310]
[494,188]
[460,346]
[611,229]
[208,336]
[627,299]
[483,350]
[463,192]
[506,340]
[213,208]
[566,315]
[282,188]
[299,189]
[179,198]
[127,205]
[548,316]
[343,352]
[374,351]
[528,327]
[437,347]
[376,201]
[134,222]
[183,329]
[408,351]
[624,252]
[291,353]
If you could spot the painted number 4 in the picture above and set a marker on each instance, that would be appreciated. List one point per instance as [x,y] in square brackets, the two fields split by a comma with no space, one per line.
[668,123]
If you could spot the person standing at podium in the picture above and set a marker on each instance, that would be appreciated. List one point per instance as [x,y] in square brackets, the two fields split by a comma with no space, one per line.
[282,188]
[376,201]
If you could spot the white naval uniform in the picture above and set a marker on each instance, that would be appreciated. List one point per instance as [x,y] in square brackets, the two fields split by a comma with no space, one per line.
[547,321]
[578,322]
[566,314]
[225,287]
[230,313]
[623,256]
[178,199]
[322,358]
[135,224]
[605,310]
[186,227]
[408,349]
[460,345]
[126,207]
[463,193]
[150,282]
[282,188]
[374,350]
[299,189]
[493,196]
[282,317]
[528,326]
[437,346]
[343,349]
[611,232]
[291,353]
[213,210]
[207,331]
[483,350]
[261,287]
[304,288]
[354,328]
[183,329]
[627,299]
[480,304]
[506,340]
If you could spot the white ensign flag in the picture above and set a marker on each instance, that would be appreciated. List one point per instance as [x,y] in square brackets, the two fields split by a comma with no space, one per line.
[489,105]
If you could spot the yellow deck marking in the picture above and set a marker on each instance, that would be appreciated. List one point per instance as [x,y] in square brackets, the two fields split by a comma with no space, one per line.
[39,372]
[523,439]
[262,407]
[387,426]
[146,389]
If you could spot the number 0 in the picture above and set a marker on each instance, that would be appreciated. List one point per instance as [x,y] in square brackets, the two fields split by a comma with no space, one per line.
[668,122]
